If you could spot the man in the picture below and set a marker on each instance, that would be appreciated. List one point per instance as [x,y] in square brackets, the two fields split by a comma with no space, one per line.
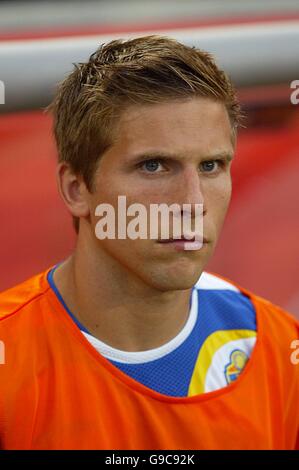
[129,344]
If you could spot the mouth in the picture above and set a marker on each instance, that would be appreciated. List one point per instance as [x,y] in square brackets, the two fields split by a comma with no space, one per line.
[180,239]
[184,244]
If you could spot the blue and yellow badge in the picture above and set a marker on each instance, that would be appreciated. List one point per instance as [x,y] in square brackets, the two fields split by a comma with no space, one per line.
[233,369]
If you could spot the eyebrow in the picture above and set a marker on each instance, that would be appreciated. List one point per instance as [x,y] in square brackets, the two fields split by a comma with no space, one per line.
[169,156]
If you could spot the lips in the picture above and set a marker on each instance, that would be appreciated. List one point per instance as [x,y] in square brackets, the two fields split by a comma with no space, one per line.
[169,240]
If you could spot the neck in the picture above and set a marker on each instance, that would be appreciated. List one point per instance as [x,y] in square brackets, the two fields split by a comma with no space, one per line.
[117,307]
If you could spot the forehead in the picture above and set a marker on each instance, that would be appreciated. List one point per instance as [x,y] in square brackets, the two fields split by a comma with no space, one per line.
[197,125]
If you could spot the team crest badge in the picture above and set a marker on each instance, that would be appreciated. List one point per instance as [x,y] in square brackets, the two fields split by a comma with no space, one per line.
[237,362]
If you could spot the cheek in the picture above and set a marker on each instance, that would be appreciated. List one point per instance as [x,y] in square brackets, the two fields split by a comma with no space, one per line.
[104,194]
[135,255]
[225,192]
[218,197]
[114,185]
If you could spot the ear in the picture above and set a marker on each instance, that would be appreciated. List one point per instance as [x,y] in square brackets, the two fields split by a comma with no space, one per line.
[72,190]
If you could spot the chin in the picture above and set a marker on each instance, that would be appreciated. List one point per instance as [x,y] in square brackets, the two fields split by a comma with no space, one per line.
[173,285]
[178,279]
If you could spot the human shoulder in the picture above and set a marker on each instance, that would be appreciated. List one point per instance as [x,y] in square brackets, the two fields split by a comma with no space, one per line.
[280,320]
[22,296]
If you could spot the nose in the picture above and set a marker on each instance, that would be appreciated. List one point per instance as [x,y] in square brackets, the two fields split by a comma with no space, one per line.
[189,190]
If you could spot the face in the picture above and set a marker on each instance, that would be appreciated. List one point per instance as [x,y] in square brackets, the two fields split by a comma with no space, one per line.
[174,152]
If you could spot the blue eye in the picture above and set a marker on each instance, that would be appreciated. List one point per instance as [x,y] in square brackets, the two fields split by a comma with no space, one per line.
[151,165]
[209,165]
